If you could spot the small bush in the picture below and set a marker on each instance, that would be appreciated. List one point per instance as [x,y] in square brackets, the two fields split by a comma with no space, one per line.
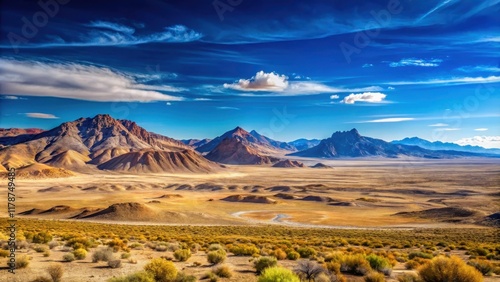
[22,262]
[102,255]
[223,271]
[215,247]
[308,270]
[161,269]
[53,244]
[46,254]
[80,254]
[42,238]
[182,254]
[211,277]
[443,269]
[183,277]
[380,264]
[117,244]
[306,252]
[216,257]
[278,274]
[408,277]
[355,264]
[126,255]
[484,266]
[374,277]
[244,250]
[413,255]
[69,257]
[279,254]
[40,249]
[56,272]
[116,263]
[293,255]
[141,276]
[4,253]
[264,262]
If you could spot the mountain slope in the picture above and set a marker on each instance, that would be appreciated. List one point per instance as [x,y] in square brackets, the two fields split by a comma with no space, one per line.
[272,143]
[304,144]
[237,151]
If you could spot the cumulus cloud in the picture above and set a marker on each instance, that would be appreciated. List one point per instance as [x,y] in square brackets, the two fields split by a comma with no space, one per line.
[334,97]
[483,141]
[368,97]
[41,115]
[273,82]
[416,63]
[438,124]
[76,81]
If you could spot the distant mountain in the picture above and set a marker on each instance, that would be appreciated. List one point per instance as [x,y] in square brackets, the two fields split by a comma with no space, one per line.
[195,143]
[9,136]
[74,145]
[234,150]
[303,144]
[438,145]
[352,144]
[257,142]
[288,163]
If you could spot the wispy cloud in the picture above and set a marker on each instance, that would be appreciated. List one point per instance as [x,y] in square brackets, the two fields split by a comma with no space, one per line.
[280,85]
[10,97]
[416,63]
[367,66]
[439,6]
[480,68]
[483,141]
[453,80]
[447,129]
[41,115]
[334,97]
[481,129]
[112,26]
[368,97]
[385,120]
[77,81]
[438,125]
[228,108]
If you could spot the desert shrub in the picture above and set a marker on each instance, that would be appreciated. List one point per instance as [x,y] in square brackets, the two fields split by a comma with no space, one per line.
[161,269]
[115,263]
[56,272]
[216,257]
[484,266]
[183,277]
[182,254]
[132,261]
[40,249]
[306,252]
[53,244]
[215,247]
[415,263]
[69,257]
[374,276]
[80,254]
[413,255]
[408,277]
[46,254]
[333,267]
[141,276]
[278,274]
[22,262]
[355,264]
[136,246]
[126,255]
[443,269]
[173,246]
[308,270]
[293,255]
[244,250]
[223,271]
[117,244]
[211,277]
[80,243]
[102,255]
[264,262]
[380,264]
[161,248]
[279,254]
[4,253]
[42,238]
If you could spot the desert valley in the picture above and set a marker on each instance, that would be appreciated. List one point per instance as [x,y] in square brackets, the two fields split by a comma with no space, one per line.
[98,182]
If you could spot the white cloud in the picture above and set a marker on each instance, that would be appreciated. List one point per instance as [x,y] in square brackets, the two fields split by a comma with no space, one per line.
[111,26]
[367,65]
[333,97]
[384,120]
[76,81]
[447,129]
[9,97]
[273,82]
[438,124]
[168,104]
[368,97]
[228,108]
[41,115]
[391,88]
[483,141]
[480,68]
[481,129]
[453,80]
[202,99]
[416,62]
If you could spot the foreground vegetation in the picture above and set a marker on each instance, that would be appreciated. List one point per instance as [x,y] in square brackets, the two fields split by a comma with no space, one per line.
[320,254]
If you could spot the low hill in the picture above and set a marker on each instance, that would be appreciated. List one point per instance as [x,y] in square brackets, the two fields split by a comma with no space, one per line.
[288,163]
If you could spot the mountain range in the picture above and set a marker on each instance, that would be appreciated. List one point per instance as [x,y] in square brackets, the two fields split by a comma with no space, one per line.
[438,145]
[105,143]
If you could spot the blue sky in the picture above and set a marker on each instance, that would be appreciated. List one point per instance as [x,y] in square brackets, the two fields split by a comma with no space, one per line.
[288,69]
